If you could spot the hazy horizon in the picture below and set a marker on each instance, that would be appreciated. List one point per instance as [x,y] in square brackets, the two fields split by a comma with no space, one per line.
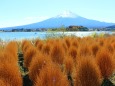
[21,12]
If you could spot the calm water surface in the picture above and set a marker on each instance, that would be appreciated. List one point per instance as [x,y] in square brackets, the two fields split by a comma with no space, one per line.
[7,36]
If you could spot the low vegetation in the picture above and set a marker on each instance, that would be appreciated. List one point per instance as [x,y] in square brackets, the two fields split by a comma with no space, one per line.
[64,61]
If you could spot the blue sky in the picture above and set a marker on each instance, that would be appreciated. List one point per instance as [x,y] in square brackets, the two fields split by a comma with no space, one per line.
[20,12]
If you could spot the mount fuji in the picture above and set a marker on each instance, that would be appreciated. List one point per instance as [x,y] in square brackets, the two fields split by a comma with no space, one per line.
[66,18]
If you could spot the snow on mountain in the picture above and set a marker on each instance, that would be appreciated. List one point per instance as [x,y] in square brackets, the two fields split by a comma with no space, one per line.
[66,14]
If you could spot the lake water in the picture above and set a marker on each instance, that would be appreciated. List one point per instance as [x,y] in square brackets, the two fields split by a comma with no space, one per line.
[7,36]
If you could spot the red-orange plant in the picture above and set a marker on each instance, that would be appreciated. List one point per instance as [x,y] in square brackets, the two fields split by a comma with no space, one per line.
[87,73]
[94,49]
[65,47]
[25,45]
[28,55]
[83,50]
[57,53]
[12,49]
[51,75]
[69,64]
[75,42]
[37,42]
[40,45]
[46,48]
[9,73]
[3,83]
[38,62]
[67,41]
[8,58]
[105,62]
[73,52]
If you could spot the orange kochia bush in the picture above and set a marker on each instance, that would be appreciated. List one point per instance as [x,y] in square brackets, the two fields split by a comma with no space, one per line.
[106,62]
[57,53]
[87,72]
[28,55]
[3,83]
[38,63]
[25,45]
[12,49]
[60,61]
[9,69]
[51,75]
[10,73]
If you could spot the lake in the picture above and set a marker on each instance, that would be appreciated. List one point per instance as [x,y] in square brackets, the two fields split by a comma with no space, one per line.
[7,36]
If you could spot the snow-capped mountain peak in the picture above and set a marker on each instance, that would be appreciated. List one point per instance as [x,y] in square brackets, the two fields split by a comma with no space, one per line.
[67,14]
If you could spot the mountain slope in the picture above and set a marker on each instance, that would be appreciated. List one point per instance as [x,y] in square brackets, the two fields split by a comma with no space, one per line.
[66,19]
[57,22]
[113,26]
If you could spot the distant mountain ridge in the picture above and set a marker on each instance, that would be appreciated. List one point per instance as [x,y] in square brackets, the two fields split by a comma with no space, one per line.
[66,19]
[113,26]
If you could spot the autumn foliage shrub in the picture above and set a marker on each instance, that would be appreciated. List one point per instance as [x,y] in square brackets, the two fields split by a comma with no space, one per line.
[57,53]
[73,52]
[9,53]
[105,62]
[12,49]
[65,47]
[10,74]
[28,55]
[87,73]
[40,45]
[7,57]
[46,48]
[69,64]
[75,43]
[25,45]
[66,61]
[38,63]
[3,83]
[70,53]
[83,50]
[9,69]
[51,75]
[67,41]
[37,42]
[109,47]
[94,49]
